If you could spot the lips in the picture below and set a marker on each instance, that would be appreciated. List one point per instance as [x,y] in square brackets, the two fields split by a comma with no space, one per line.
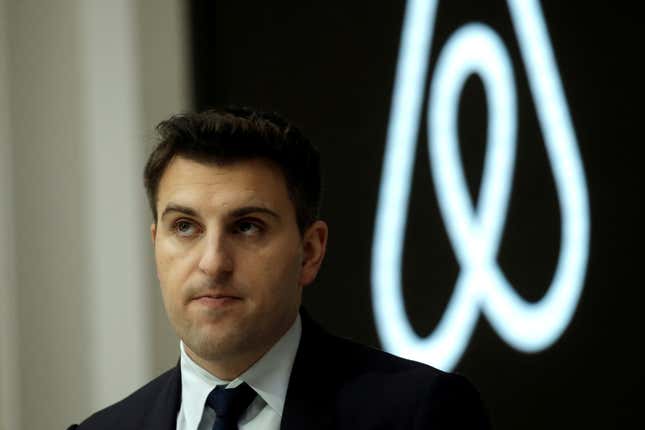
[216,300]
[215,296]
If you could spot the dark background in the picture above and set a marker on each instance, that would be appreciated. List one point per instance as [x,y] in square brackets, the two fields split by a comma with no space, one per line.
[330,67]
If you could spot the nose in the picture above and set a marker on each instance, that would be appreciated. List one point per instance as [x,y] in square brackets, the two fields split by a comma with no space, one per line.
[216,260]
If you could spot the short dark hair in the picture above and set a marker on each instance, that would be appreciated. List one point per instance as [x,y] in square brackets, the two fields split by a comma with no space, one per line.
[235,134]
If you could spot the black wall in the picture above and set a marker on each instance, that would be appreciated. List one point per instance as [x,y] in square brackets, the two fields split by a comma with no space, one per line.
[330,68]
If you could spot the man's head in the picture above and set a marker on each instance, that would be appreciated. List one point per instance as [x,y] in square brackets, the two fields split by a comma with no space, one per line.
[233,134]
[235,196]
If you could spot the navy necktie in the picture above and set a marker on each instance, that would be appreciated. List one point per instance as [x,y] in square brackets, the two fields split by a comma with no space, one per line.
[229,405]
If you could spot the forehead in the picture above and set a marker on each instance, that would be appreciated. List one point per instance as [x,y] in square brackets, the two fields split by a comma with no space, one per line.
[203,184]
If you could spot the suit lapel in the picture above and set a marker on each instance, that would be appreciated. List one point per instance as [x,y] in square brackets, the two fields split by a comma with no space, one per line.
[310,396]
[162,410]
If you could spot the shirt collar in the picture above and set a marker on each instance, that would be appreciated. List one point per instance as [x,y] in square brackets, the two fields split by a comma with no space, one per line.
[269,377]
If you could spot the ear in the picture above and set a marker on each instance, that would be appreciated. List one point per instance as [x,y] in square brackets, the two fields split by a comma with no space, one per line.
[314,245]
[153,233]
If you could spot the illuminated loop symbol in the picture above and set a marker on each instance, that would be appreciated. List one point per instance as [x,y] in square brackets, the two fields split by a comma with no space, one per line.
[475,232]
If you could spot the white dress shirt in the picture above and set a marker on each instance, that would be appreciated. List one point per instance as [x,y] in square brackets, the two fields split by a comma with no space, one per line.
[269,377]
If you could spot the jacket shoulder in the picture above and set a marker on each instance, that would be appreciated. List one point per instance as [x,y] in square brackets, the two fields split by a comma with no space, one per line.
[387,388]
[136,409]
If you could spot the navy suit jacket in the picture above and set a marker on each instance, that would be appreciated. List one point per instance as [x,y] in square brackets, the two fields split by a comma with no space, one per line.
[335,384]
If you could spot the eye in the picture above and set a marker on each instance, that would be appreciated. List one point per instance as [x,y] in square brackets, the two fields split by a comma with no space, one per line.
[185,228]
[248,227]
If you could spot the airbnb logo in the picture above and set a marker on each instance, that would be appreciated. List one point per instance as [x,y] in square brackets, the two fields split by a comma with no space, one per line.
[475,230]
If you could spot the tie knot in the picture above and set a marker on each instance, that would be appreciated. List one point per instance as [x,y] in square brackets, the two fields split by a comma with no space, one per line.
[229,404]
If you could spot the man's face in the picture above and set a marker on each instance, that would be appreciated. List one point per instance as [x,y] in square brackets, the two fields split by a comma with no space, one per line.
[230,259]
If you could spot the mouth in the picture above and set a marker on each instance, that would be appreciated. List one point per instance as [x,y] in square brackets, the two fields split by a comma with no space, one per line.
[216,300]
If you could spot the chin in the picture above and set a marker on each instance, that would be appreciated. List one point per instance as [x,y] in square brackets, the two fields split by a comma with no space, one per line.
[212,344]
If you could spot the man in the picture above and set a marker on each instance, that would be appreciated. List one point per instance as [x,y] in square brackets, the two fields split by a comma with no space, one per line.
[235,197]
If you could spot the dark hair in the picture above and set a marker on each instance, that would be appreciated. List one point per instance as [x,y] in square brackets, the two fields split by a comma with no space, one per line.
[235,134]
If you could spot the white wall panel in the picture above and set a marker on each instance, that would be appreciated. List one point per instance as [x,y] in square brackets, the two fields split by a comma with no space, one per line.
[81,85]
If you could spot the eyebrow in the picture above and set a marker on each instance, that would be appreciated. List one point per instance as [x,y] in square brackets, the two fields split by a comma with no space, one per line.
[240,212]
[173,207]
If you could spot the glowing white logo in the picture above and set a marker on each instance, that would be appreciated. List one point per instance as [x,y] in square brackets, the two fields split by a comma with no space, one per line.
[475,232]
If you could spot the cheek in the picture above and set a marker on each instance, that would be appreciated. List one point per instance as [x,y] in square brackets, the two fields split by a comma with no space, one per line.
[279,274]
[171,272]
[172,268]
